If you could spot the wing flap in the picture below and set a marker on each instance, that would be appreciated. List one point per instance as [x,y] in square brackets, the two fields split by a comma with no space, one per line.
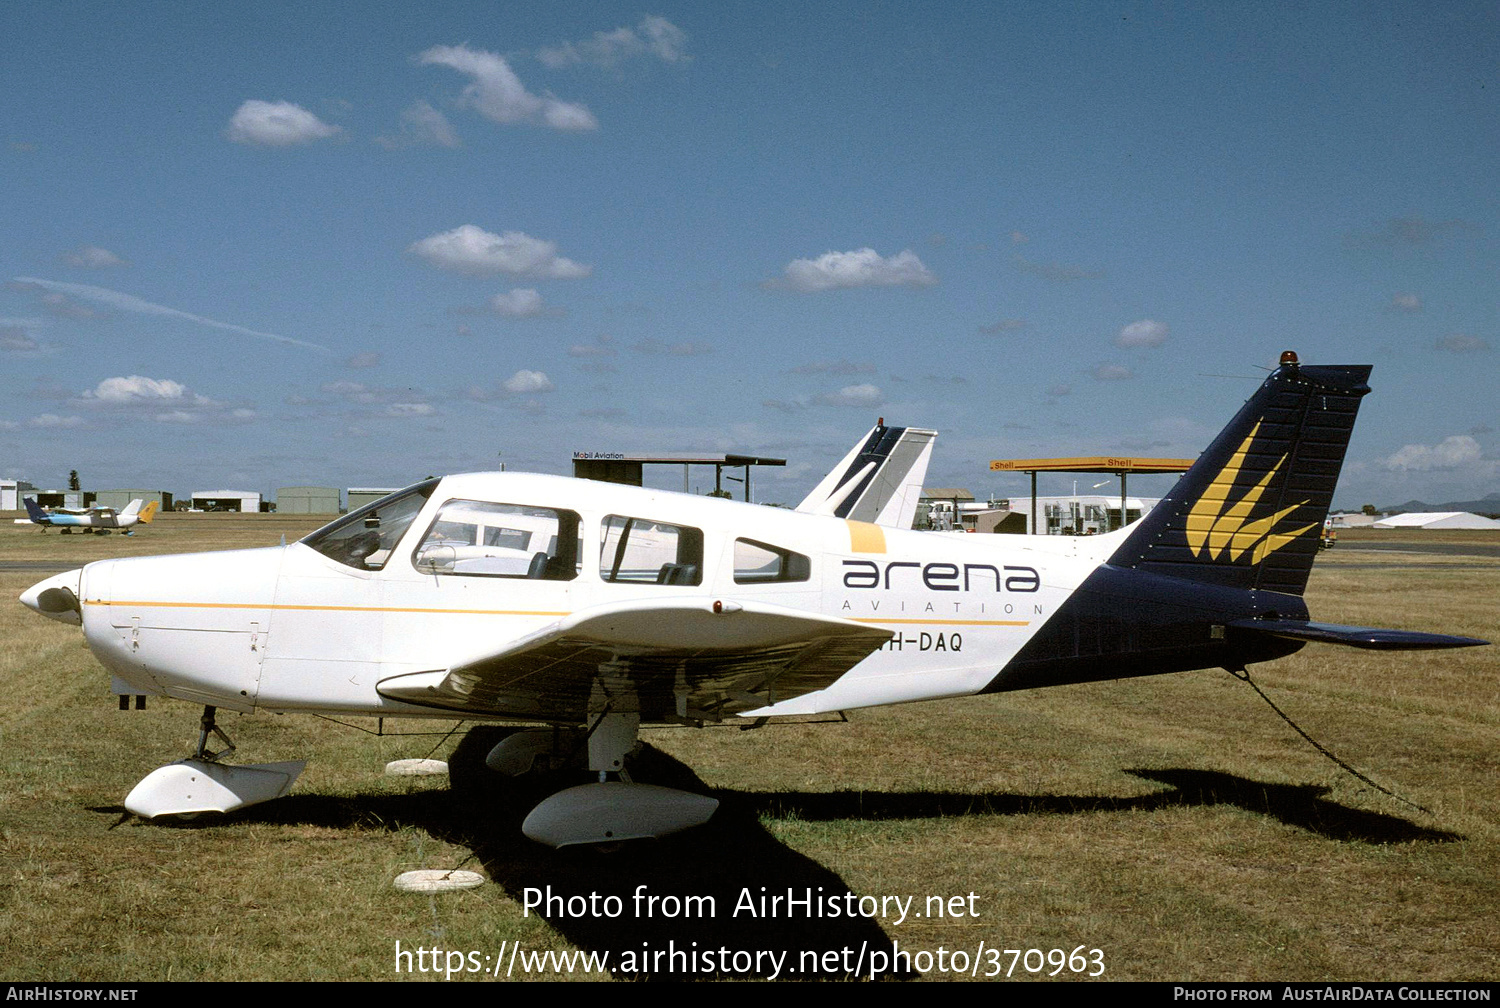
[694,658]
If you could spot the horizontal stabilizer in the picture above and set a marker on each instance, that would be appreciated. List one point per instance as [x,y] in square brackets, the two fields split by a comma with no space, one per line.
[879,481]
[1375,638]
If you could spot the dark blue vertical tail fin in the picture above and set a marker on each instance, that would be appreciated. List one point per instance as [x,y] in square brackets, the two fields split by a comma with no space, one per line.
[34,510]
[1250,511]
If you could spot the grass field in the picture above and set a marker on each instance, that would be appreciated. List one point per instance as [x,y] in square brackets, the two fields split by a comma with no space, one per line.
[1174,823]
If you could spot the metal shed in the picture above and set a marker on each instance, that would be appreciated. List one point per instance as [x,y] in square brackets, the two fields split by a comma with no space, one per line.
[307,500]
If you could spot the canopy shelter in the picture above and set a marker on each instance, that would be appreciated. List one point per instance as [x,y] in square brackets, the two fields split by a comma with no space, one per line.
[1119,466]
[617,467]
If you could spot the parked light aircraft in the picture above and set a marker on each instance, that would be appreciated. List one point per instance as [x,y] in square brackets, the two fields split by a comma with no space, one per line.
[99,520]
[594,607]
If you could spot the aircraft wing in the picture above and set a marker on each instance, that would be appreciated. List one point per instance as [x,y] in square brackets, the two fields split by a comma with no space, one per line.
[683,659]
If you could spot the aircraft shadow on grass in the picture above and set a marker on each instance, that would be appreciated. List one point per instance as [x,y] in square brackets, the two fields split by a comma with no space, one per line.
[1300,805]
[734,854]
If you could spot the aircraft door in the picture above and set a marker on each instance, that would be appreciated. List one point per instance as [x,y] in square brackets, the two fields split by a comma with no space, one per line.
[330,628]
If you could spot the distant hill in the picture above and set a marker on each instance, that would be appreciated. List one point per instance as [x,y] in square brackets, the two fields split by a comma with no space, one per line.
[1486,505]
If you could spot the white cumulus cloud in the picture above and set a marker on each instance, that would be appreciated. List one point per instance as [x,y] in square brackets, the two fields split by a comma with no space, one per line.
[421,124]
[53,420]
[860,268]
[654,36]
[525,382]
[1452,452]
[854,395]
[473,250]
[178,416]
[1145,333]
[162,400]
[140,389]
[498,94]
[520,302]
[276,124]
[93,257]
[410,409]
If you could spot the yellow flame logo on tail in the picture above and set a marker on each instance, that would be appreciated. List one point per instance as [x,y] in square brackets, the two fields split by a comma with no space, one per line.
[1219,525]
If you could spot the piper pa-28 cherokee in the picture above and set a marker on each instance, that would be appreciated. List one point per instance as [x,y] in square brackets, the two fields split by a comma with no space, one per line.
[591,608]
[99,520]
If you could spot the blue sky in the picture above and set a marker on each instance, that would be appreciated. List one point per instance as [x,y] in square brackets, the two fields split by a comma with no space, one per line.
[358,244]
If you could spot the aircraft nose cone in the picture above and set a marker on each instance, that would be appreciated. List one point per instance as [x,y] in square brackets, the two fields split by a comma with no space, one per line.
[57,597]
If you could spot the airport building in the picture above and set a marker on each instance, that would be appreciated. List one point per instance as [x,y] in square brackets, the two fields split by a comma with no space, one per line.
[1437,520]
[954,509]
[945,509]
[307,500]
[72,500]
[120,499]
[11,492]
[1085,514]
[358,497]
[226,500]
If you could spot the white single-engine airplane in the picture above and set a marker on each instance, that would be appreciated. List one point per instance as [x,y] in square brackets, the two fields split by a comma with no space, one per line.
[594,607]
[99,520]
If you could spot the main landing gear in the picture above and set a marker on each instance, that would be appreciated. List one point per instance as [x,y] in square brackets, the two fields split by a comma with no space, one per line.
[201,783]
[613,808]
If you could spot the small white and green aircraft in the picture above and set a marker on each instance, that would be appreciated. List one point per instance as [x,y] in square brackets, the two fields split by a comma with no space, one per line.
[99,520]
[586,609]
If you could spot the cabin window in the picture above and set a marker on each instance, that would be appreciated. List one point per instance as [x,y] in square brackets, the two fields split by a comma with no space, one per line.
[364,539]
[641,551]
[485,539]
[762,563]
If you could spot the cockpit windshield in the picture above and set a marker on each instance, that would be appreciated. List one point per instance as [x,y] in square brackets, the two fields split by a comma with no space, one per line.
[364,539]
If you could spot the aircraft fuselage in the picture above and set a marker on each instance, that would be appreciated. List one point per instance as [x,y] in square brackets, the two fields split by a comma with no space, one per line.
[292,629]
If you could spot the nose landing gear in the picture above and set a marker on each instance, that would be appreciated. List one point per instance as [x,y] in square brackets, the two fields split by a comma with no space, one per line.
[201,783]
